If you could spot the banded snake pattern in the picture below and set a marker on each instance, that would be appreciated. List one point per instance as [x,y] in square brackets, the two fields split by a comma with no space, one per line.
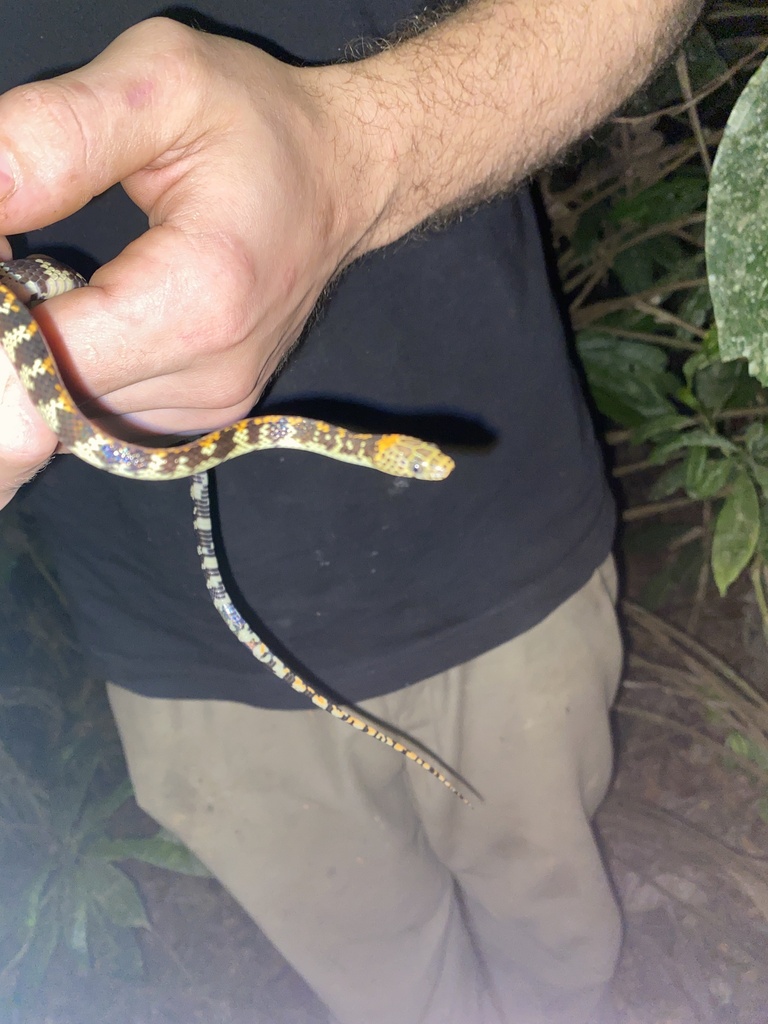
[24,284]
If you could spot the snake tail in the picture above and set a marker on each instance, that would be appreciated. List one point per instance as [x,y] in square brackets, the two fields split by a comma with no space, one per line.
[226,608]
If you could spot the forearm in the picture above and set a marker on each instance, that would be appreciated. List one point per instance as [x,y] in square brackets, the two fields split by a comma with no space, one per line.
[262,180]
[487,96]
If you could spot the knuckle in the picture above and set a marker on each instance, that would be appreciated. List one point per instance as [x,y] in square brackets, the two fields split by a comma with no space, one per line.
[230,394]
[175,51]
[220,291]
[162,34]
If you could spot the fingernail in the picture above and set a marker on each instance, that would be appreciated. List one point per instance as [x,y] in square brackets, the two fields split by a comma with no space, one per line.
[7,177]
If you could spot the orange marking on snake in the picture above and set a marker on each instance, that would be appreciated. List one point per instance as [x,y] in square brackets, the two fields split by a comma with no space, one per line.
[387,441]
[65,401]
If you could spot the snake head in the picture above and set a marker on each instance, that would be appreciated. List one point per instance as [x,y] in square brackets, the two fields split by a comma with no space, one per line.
[405,456]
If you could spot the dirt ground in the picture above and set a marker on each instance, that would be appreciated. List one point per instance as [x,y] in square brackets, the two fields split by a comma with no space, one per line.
[683,838]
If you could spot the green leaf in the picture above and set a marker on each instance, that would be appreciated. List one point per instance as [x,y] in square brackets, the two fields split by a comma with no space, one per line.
[639,267]
[697,438]
[162,850]
[696,306]
[756,439]
[34,896]
[42,946]
[705,476]
[114,892]
[693,364]
[762,540]
[114,951]
[760,473]
[629,381]
[748,391]
[675,196]
[715,384]
[79,763]
[737,230]
[709,344]
[670,480]
[589,230]
[687,397]
[97,813]
[736,532]
[705,62]
[748,749]
[738,744]
[670,423]
[77,932]
[72,895]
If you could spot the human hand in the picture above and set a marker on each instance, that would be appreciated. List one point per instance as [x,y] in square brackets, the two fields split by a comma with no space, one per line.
[260,180]
[251,181]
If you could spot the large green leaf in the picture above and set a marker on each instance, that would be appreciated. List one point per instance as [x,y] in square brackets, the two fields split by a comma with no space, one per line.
[737,230]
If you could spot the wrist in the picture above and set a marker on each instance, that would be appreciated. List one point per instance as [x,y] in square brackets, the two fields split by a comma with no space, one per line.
[369,125]
[479,101]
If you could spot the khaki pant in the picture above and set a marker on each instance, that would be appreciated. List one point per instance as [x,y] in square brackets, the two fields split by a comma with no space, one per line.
[395,901]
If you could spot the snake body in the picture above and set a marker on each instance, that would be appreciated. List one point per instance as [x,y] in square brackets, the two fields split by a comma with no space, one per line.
[23,284]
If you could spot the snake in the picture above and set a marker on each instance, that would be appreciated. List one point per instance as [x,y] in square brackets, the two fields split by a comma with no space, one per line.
[24,283]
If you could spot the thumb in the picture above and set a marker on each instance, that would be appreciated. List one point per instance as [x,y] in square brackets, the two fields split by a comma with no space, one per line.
[68,139]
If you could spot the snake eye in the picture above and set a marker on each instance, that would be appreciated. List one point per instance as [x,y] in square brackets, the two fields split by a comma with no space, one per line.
[416,467]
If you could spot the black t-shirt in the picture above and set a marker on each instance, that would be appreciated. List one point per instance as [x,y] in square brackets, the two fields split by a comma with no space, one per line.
[366,583]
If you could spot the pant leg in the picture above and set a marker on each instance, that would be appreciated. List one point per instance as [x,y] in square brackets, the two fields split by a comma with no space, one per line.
[393,900]
[535,740]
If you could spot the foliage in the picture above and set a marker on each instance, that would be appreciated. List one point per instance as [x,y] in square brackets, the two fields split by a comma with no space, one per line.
[737,230]
[629,228]
[62,781]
